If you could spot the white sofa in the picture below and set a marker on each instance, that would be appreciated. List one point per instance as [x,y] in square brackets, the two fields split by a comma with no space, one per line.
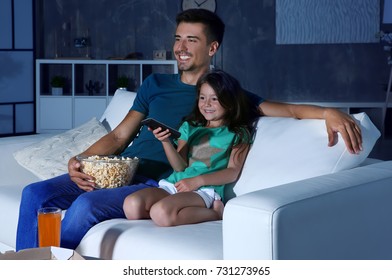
[296,198]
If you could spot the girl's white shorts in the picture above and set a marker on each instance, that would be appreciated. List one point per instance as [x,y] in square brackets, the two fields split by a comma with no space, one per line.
[207,194]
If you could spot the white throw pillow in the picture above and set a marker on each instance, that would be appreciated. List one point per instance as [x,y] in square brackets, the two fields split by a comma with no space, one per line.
[49,158]
[287,150]
[118,108]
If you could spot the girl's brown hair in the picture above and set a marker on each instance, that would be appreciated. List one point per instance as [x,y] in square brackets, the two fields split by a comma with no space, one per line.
[240,115]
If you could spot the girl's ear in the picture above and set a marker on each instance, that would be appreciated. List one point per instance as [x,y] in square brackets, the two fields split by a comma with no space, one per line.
[213,48]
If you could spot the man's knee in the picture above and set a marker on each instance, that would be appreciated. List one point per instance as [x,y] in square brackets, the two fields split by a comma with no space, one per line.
[33,191]
[85,202]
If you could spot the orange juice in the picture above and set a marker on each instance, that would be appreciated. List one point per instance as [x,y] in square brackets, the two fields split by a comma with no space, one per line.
[49,226]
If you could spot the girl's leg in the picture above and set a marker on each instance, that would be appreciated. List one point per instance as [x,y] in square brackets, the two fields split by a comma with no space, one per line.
[137,205]
[182,208]
[59,192]
[218,207]
[92,208]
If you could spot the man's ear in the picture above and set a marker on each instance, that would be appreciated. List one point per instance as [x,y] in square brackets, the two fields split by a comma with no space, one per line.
[213,48]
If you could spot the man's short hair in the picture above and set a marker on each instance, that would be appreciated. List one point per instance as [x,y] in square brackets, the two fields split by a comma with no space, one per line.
[215,28]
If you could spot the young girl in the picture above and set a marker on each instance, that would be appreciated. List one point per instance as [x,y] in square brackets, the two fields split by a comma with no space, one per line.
[210,153]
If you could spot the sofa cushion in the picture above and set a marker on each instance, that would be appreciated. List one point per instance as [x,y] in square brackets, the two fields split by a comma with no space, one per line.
[122,239]
[118,108]
[49,158]
[287,150]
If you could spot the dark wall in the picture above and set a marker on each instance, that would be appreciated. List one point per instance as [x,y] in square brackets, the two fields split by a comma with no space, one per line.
[317,73]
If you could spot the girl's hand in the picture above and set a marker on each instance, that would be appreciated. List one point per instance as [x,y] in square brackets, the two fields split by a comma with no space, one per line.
[188,185]
[161,135]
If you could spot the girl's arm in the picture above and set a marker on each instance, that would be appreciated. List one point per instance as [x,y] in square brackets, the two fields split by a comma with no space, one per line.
[221,177]
[177,158]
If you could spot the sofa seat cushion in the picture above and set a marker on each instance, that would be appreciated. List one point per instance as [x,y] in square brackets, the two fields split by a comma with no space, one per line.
[125,239]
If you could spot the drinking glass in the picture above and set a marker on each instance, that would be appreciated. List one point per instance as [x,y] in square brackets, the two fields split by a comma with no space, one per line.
[49,226]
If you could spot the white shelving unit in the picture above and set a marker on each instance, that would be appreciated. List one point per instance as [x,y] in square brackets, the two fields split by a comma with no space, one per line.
[79,102]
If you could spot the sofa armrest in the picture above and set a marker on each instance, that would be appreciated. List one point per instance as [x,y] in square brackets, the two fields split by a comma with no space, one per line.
[345,215]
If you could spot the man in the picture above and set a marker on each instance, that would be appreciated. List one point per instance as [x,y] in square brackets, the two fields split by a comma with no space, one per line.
[167,98]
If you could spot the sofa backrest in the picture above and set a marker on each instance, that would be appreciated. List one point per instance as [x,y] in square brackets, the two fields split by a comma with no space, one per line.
[287,150]
[118,108]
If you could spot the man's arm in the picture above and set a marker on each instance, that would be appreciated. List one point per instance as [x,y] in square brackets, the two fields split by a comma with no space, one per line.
[335,121]
[112,143]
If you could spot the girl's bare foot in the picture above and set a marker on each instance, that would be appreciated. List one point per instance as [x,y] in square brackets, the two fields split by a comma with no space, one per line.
[218,207]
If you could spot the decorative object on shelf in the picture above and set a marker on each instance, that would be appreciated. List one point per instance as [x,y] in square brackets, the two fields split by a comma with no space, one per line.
[84,42]
[159,54]
[199,4]
[94,87]
[123,82]
[57,83]
[385,37]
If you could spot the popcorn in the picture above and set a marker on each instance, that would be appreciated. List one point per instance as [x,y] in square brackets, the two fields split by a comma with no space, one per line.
[109,171]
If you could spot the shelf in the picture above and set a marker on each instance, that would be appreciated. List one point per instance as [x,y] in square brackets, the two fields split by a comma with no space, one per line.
[89,87]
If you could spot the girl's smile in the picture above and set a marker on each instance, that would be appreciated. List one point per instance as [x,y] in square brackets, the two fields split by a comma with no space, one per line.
[210,106]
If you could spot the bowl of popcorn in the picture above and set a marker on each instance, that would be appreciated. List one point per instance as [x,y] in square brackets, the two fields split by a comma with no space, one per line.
[109,171]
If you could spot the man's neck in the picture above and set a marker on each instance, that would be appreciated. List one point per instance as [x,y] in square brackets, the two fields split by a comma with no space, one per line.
[191,77]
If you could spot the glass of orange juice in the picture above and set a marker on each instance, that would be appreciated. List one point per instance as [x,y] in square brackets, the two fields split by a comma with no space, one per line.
[49,226]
